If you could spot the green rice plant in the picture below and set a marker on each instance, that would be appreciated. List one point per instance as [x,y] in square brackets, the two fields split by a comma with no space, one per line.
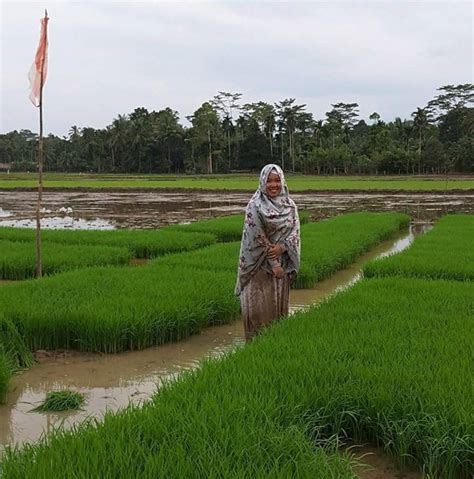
[141,243]
[327,246]
[6,372]
[18,258]
[331,245]
[61,401]
[13,344]
[226,228]
[296,182]
[113,309]
[444,252]
[386,362]
[218,257]
[14,354]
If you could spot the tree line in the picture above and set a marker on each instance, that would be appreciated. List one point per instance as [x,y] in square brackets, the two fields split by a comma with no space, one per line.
[225,135]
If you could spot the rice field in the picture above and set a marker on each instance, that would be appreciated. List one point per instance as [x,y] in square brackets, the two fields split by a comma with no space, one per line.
[140,243]
[235,182]
[385,362]
[225,229]
[331,245]
[14,354]
[112,309]
[446,252]
[327,246]
[18,258]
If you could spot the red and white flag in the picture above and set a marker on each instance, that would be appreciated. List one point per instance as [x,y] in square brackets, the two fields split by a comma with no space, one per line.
[39,69]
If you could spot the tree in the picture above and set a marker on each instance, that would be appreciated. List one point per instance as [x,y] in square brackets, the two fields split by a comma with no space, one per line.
[225,103]
[420,123]
[205,122]
[288,115]
[453,97]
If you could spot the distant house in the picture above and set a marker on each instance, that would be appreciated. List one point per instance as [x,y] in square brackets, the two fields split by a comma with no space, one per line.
[5,166]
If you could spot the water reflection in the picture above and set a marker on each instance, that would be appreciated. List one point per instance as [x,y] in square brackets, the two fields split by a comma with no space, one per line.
[62,222]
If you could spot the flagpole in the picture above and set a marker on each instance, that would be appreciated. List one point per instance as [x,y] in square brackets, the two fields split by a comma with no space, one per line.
[39,265]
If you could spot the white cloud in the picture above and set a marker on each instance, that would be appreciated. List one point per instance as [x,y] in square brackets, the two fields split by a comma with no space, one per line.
[109,57]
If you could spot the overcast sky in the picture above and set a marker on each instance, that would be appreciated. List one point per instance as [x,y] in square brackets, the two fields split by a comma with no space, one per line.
[109,57]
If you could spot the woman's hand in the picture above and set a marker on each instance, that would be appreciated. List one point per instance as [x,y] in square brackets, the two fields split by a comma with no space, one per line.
[278,272]
[274,251]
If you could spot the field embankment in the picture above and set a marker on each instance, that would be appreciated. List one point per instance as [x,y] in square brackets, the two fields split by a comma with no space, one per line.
[236,182]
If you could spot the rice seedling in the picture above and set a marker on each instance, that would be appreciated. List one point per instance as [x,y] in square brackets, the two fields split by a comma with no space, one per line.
[327,246]
[14,354]
[61,401]
[113,309]
[388,362]
[6,373]
[233,182]
[444,252]
[225,229]
[141,243]
[331,245]
[18,259]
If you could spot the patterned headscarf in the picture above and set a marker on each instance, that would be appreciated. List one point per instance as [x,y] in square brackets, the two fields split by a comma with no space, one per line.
[269,221]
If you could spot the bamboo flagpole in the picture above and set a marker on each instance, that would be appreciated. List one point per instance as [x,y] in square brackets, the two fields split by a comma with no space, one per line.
[37,77]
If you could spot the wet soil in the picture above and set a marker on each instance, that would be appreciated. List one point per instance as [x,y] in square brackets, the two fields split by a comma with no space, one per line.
[152,209]
[375,464]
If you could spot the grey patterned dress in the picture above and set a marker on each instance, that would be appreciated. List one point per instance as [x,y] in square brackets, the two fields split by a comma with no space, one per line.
[268,221]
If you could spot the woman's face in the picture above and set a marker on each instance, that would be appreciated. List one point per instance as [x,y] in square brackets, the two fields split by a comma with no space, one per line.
[273,184]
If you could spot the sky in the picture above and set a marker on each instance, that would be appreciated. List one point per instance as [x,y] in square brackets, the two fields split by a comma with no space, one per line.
[109,57]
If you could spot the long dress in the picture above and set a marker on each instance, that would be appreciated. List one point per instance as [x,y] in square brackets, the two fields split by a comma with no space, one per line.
[268,221]
[264,299]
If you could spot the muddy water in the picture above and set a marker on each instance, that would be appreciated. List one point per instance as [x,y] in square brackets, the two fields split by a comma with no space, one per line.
[151,209]
[112,381]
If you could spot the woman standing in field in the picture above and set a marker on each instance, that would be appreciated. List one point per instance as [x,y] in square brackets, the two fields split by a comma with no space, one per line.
[269,253]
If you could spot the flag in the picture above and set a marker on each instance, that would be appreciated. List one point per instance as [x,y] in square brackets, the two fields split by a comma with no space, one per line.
[40,65]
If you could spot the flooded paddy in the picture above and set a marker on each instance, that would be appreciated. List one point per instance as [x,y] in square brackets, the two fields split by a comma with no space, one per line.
[152,209]
[110,382]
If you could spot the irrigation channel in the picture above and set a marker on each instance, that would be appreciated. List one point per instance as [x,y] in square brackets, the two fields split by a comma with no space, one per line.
[151,209]
[113,381]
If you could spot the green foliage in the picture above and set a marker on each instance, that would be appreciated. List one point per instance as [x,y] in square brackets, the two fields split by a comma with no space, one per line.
[331,245]
[6,373]
[113,309]
[327,246]
[18,258]
[219,141]
[386,362]
[237,182]
[61,401]
[13,354]
[445,252]
[140,243]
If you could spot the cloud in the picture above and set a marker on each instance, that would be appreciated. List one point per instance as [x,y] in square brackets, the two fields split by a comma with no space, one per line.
[109,57]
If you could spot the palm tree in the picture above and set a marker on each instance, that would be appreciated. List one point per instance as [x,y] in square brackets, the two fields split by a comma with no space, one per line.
[420,122]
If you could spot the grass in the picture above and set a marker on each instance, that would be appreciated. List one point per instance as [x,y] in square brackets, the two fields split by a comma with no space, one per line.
[14,354]
[225,229]
[327,246]
[61,401]
[233,182]
[18,259]
[388,362]
[140,243]
[331,245]
[113,309]
[445,252]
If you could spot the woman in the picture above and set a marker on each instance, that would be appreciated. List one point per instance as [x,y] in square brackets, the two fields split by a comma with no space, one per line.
[269,252]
